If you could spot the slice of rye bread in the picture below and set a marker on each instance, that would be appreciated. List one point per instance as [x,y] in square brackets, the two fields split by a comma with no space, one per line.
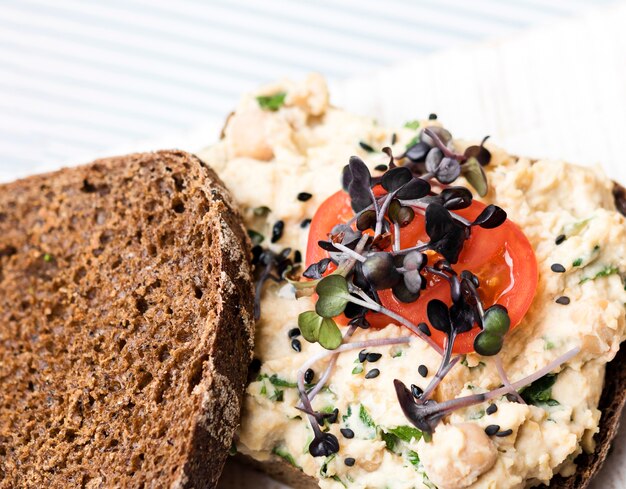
[126,325]
[611,405]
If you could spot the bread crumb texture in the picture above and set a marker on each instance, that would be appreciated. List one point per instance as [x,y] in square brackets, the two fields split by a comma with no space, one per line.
[125,325]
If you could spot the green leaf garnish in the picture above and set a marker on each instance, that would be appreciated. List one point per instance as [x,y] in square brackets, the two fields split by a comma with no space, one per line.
[255,237]
[336,478]
[496,324]
[475,175]
[272,102]
[329,335]
[406,433]
[365,417]
[324,467]
[285,455]
[391,441]
[414,124]
[333,296]
[309,323]
[277,396]
[605,272]
[277,381]
[315,328]
[413,457]
[540,391]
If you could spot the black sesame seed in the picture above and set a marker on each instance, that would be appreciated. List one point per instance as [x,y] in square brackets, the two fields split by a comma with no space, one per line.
[294,332]
[416,391]
[491,409]
[557,268]
[309,375]
[492,429]
[362,356]
[422,370]
[560,238]
[373,357]
[504,433]
[297,256]
[511,398]
[372,374]
[349,461]
[432,117]
[366,147]
[347,433]
[277,231]
[563,300]
[423,327]
[296,345]
[380,168]
[394,138]
[304,196]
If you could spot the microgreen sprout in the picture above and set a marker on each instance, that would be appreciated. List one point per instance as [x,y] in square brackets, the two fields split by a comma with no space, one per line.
[368,255]
[426,414]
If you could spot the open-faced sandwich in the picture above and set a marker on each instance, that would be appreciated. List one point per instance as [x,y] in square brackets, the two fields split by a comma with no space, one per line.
[431,313]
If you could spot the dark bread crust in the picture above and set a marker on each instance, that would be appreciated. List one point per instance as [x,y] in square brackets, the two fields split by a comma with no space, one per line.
[125,325]
[612,402]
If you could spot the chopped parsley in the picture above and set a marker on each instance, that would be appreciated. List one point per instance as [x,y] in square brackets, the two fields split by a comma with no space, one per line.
[605,272]
[413,457]
[277,396]
[540,391]
[277,381]
[406,433]
[285,455]
[360,422]
[414,124]
[365,417]
[272,102]
[324,467]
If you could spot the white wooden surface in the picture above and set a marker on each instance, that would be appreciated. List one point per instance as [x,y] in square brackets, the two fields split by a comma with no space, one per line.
[555,92]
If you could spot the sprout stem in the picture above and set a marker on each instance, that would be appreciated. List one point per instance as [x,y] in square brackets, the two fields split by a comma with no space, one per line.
[421,207]
[331,364]
[505,380]
[439,376]
[396,237]
[374,306]
[439,410]
[349,252]
[380,215]
[305,401]
[420,248]
[444,149]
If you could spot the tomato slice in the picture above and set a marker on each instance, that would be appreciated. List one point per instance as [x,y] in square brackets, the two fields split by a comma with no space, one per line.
[501,258]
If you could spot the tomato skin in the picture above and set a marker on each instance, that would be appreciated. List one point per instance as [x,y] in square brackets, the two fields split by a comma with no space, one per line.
[502,258]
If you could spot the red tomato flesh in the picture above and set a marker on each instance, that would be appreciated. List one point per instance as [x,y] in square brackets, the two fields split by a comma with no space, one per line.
[501,258]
